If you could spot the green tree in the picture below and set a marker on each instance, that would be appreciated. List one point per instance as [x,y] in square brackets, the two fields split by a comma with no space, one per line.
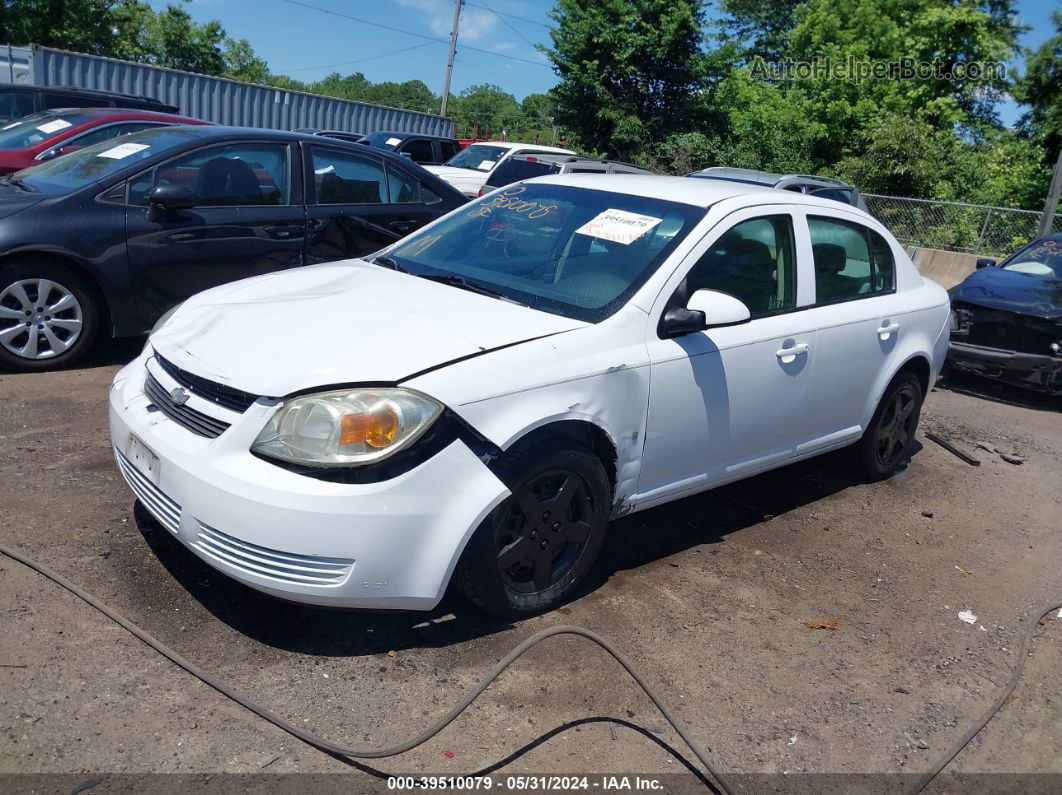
[1041,89]
[241,63]
[80,25]
[761,27]
[487,109]
[630,70]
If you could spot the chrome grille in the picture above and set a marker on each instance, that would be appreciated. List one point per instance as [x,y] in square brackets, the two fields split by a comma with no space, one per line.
[225,396]
[264,562]
[158,504]
[195,421]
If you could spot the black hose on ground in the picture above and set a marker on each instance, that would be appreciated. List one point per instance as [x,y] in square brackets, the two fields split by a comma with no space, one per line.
[331,748]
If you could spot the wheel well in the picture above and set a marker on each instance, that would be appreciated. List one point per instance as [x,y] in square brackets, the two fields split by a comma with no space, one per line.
[919,365]
[90,280]
[585,433]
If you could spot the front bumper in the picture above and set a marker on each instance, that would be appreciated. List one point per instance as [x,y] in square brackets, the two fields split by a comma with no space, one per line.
[391,544]
[1029,370]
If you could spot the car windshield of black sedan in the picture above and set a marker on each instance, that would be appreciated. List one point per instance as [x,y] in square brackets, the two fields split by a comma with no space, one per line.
[38,128]
[1042,258]
[478,157]
[93,163]
[570,251]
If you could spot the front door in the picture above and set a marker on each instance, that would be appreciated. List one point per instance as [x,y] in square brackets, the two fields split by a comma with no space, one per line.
[357,204]
[248,220]
[727,402]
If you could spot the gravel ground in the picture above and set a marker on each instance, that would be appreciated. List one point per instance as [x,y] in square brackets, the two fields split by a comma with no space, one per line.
[710,597]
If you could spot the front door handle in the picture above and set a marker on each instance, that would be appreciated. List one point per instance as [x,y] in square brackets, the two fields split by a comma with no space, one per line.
[284,231]
[887,329]
[788,355]
[403,226]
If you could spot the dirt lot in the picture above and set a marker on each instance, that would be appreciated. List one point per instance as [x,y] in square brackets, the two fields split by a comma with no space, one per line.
[708,596]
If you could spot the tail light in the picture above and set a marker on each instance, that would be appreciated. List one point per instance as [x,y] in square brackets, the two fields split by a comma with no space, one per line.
[482,190]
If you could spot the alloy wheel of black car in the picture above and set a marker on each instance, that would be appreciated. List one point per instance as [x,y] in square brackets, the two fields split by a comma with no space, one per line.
[531,552]
[47,317]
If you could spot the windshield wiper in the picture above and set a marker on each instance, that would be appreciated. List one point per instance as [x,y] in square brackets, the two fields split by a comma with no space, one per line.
[462,283]
[388,262]
[18,183]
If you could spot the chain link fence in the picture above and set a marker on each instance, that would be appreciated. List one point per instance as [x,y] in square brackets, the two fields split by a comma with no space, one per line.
[953,226]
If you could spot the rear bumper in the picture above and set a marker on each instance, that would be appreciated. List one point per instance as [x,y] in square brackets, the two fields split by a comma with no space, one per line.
[390,544]
[1032,371]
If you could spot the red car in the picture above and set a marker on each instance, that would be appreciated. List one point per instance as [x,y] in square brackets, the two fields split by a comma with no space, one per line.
[50,133]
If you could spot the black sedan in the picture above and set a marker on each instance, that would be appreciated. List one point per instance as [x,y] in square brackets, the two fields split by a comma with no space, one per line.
[105,240]
[1007,318]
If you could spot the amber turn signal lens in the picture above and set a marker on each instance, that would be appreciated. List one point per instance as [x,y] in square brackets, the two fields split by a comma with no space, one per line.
[376,428]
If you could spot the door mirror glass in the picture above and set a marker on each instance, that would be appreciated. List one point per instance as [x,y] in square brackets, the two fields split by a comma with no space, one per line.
[719,309]
[985,262]
[173,197]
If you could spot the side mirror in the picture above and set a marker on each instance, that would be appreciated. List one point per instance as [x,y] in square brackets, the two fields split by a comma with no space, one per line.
[48,154]
[985,262]
[172,197]
[705,309]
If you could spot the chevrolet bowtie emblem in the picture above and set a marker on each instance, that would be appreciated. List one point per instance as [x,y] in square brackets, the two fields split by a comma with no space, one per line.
[179,396]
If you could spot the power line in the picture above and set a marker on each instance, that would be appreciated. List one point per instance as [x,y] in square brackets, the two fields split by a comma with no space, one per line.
[360,60]
[412,33]
[509,24]
[522,19]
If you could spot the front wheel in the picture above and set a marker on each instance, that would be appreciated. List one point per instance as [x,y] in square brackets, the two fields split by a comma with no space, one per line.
[48,318]
[530,553]
[892,428]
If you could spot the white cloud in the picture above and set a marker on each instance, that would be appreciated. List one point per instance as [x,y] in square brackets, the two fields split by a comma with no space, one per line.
[477,24]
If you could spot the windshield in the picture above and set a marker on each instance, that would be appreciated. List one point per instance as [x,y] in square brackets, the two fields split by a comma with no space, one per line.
[38,128]
[570,251]
[1042,258]
[384,140]
[517,168]
[478,157]
[93,163]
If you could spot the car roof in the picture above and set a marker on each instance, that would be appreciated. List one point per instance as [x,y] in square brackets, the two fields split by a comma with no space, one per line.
[696,192]
[410,135]
[762,177]
[561,159]
[522,145]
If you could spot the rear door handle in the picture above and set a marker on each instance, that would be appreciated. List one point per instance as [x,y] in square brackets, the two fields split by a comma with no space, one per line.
[285,231]
[788,355]
[403,226]
[887,329]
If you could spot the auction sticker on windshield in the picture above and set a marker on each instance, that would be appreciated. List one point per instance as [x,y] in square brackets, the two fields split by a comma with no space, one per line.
[54,126]
[485,165]
[393,141]
[123,150]
[619,226]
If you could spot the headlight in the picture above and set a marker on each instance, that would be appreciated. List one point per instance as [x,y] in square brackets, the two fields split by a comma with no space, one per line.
[346,427]
[162,320]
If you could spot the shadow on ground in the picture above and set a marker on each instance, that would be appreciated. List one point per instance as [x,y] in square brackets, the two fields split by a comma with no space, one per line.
[998,392]
[632,542]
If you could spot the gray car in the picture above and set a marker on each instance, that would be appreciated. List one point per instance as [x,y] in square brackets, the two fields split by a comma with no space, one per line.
[824,187]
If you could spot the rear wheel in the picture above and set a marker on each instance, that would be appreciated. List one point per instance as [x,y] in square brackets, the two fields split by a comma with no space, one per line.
[48,318]
[531,552]
[892,428]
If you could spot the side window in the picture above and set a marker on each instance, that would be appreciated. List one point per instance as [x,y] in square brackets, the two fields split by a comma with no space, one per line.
[844,265]
[341,177]
[236,175]
[403,188]
[449,149]
[837,194]
[754,262]
[419,150]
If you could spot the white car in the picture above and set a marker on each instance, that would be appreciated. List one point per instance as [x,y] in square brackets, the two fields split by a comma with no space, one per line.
[474,404]
[470,168]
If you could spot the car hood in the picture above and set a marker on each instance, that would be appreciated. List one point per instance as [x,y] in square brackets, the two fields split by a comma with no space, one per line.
[339,323]
[13,200]
[1011,291]
[454,175]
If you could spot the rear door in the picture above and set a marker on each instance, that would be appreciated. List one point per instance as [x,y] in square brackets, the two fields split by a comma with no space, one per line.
[358,203]
[249,220]
[419,150]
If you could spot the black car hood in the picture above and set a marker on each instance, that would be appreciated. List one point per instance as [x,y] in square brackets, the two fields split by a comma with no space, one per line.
[1011,291]
[12,200]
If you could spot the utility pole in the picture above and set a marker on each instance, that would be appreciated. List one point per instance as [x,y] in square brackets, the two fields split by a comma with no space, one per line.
[1052,199]
[450,60]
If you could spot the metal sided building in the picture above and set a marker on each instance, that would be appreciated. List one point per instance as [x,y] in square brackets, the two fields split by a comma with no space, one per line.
[214,99]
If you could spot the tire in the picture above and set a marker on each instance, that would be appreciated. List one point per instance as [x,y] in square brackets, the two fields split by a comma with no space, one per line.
[532,551]
[892,428]
[51,339]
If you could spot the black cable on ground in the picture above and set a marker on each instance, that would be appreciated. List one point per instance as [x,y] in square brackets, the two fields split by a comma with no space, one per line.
[331,748]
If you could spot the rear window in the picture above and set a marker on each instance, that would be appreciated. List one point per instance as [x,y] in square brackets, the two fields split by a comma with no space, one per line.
[38,128]
[15,104]
[514,170]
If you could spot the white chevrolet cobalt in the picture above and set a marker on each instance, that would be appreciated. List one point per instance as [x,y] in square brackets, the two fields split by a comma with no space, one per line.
[473,404]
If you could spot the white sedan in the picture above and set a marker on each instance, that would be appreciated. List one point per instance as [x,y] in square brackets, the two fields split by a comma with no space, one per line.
[474,404]
[469,169]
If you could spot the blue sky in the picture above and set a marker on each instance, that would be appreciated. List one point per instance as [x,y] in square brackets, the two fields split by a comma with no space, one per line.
[308,44]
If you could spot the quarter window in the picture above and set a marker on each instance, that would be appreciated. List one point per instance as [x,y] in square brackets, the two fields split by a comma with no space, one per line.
[347,178]
[403,188]
[851,261]
[237,175]
[754,262]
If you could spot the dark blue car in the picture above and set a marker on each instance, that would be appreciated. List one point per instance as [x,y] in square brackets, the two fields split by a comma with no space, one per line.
[1007,318]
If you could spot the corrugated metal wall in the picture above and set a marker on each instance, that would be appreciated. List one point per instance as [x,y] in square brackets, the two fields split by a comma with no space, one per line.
[223,101]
